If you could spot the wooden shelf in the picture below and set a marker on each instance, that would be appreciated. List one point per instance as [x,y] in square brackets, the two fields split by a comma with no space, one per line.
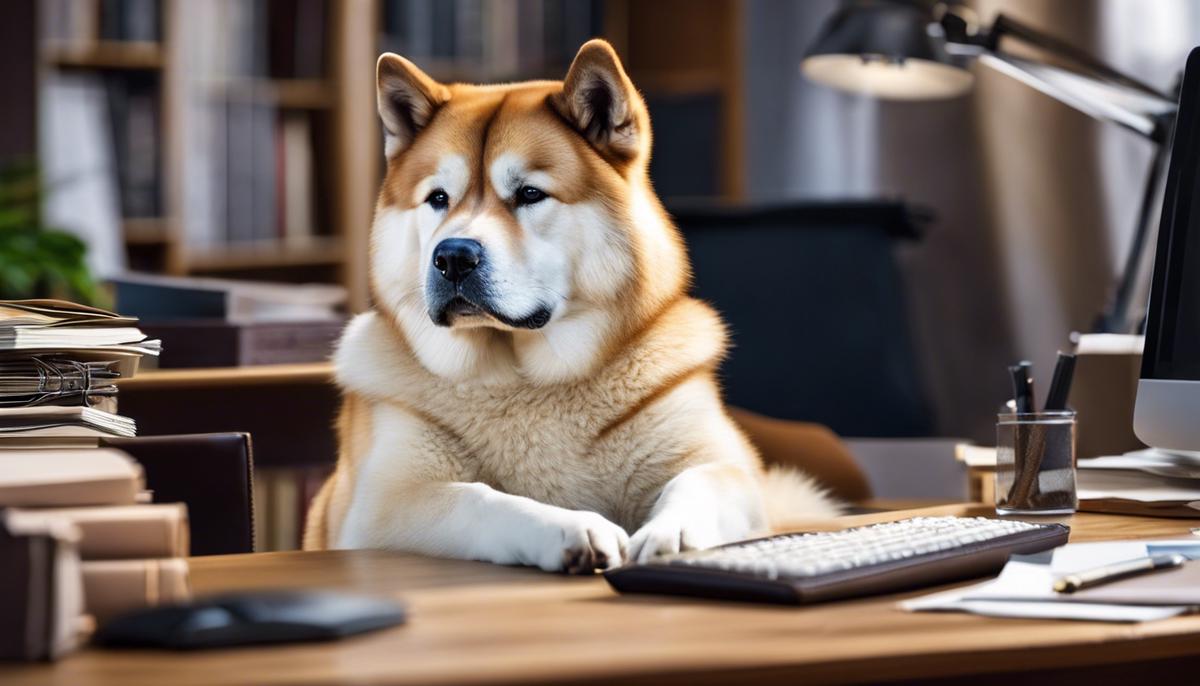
[308,94]
[317,373]
[146,230]
[132,55]
[265,255]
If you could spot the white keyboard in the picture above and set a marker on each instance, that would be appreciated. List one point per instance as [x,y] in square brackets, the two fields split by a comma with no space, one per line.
[809,567]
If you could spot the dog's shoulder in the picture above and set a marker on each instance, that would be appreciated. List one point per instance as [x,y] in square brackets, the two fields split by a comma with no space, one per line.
[688,334]
[374,360]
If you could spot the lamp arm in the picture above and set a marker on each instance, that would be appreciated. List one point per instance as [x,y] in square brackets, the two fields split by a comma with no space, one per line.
[1083,93]
[1087,84]
[1006,26]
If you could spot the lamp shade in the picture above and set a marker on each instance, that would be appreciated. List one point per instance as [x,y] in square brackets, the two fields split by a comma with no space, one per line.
[885,49]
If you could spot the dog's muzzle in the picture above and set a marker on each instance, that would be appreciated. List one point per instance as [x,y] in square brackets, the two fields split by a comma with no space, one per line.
[458,286]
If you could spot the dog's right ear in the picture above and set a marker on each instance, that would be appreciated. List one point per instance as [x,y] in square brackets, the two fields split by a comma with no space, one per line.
[407,99]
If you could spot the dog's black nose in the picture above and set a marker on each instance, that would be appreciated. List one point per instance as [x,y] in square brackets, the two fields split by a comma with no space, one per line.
[454,258]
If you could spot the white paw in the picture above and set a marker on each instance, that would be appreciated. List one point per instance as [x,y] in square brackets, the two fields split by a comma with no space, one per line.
[582,542]
[666,534]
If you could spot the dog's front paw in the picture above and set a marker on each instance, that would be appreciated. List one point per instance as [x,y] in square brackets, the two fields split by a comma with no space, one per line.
[582,542]
[668,534]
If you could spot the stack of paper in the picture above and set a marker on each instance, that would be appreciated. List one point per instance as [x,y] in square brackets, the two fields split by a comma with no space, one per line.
[52,325]
[1147,482]
[1151,482]
[1025,586]
[59,362]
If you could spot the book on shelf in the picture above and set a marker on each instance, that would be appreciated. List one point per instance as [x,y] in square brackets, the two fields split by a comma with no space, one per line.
[217,343]
[130,20]
[492,40]
[222,323]
[296,170]
[134,124]
[77,162]
[262,177]
[69,22]
[158,299]
[295,45]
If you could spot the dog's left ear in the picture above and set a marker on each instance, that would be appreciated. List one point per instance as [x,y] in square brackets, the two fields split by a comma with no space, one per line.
[600,101]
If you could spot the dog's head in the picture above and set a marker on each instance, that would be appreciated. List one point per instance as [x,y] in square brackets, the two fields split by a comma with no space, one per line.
[516,228]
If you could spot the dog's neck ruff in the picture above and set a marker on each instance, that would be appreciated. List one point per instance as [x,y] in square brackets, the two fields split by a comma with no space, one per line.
[375,360]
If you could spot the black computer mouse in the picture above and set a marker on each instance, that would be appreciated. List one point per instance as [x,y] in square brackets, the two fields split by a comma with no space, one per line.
[251,618]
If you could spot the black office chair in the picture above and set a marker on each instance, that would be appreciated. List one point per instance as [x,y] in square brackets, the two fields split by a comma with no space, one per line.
[821,335]
[213,474]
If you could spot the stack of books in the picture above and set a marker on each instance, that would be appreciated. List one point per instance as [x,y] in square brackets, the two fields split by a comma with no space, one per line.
[81,543]
[59,362]
[206,322]
[80,540]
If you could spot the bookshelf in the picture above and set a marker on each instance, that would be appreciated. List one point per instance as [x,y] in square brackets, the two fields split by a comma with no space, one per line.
[684,55]
[197,58]
[282,96]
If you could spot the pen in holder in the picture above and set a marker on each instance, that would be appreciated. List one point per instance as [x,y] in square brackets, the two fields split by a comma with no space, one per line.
[1035,463]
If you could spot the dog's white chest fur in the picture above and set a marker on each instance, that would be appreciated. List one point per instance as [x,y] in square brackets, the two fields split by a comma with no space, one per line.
[552,443]
[553,432]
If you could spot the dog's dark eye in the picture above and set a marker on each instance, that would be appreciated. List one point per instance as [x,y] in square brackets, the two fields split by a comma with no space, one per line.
[529,195]
[438,199]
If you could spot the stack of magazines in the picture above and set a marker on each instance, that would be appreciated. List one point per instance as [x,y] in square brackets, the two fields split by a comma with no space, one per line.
[59,363]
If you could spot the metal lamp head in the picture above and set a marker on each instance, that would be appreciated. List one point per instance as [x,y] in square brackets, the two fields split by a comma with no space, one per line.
[889,49]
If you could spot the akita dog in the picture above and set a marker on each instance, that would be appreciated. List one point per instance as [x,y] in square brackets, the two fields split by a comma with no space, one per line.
[534,381]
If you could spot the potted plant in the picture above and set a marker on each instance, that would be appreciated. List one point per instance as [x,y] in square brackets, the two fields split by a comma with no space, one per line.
[37,261]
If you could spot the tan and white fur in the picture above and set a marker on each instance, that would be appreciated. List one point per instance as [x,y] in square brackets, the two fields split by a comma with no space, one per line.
[534,385]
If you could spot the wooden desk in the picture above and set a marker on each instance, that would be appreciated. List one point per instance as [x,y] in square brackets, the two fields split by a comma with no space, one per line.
[474,623]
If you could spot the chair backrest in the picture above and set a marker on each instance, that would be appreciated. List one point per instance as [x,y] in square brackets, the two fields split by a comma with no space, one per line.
[813,298]
[810,448]
[213,474]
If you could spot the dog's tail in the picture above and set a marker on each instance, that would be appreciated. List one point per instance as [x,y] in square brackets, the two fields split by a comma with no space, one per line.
[792,496]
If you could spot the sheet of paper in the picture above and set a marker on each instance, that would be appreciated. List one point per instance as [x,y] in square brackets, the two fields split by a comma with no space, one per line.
[1095,484]
[1024,588]
[1077,557]
[1147,462]
[957,601]
[1073,611]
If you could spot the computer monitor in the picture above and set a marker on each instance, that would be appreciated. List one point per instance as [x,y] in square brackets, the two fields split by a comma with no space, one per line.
[1167,414]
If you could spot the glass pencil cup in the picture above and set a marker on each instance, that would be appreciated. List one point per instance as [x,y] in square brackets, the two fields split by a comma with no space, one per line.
[1035,463]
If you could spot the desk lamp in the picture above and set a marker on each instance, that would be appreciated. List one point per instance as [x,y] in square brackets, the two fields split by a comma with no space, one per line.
[920,50]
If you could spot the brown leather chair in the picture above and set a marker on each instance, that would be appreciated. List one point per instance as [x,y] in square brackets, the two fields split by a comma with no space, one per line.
[213,474]
[811,448]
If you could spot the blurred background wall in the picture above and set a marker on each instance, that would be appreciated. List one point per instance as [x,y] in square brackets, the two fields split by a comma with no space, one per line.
[1033,202]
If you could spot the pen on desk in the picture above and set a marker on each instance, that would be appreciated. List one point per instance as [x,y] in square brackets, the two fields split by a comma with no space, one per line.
[1118,570]
[1060,384]
[1022,386]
